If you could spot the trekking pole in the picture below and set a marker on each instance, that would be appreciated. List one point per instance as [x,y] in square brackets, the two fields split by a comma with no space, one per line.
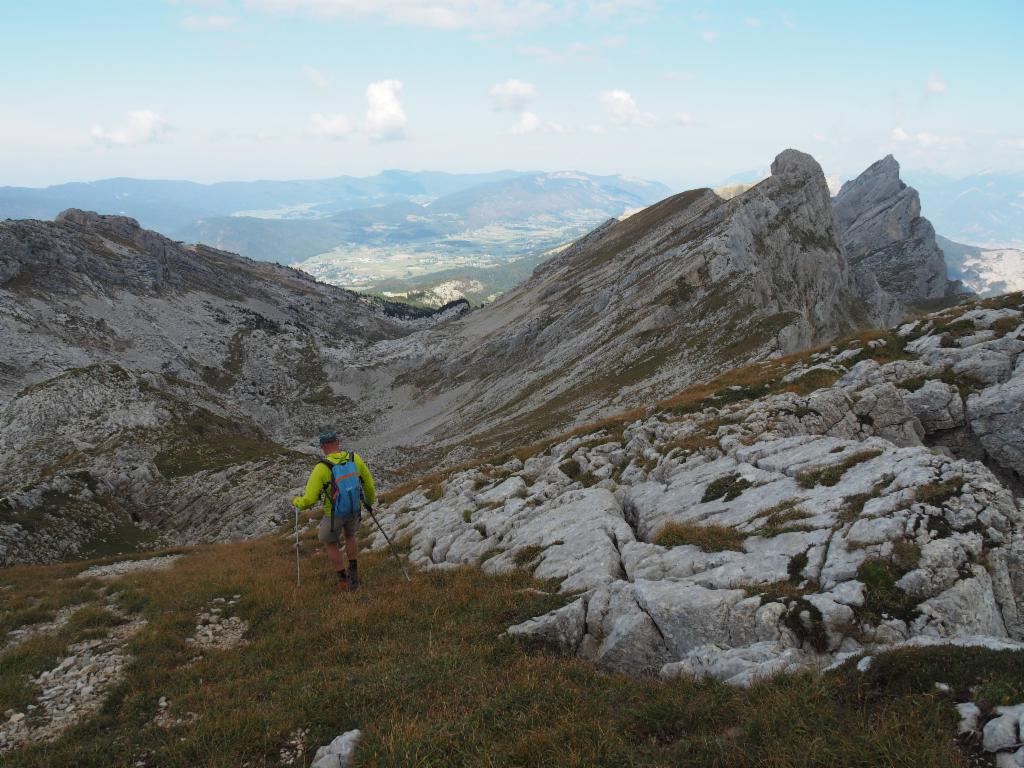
[298,575]
[388,540]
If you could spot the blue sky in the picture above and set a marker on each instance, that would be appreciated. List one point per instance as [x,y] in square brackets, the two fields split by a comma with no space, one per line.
[684,92]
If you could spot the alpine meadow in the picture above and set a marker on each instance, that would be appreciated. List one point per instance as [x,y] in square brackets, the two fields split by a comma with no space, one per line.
[506,383]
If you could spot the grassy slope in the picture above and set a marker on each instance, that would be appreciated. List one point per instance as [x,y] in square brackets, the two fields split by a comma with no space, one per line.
[421,669]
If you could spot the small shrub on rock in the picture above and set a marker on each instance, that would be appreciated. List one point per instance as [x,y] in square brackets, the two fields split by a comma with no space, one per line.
[936,494]
[727,488]
[527,555]
[882,597]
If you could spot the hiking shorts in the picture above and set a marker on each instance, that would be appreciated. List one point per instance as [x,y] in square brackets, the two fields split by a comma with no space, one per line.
[346,525]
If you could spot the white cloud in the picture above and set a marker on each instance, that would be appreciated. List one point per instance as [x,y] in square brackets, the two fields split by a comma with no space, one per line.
[316,77]
[528,122]
[331,126]
[605,9]
[141,127]
[936,84]
[787,21]
[573,52]
[679,77]
[598,129]
[623,110]
[926,140]
[439,14]
[209,23]
[385,118]
[682,118]
[709,36]
[1017,143]
[512,95]
[752,21]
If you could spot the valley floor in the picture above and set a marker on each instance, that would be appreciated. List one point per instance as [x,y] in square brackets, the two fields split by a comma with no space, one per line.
[422,670]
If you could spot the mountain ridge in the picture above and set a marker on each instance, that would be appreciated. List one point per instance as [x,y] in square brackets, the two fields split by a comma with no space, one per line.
[634,310]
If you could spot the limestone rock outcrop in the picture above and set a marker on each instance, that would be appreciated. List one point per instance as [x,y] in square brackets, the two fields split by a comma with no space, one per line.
[885,235]
[773,525]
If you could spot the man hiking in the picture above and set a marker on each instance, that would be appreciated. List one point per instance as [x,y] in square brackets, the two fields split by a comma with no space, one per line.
[344,482]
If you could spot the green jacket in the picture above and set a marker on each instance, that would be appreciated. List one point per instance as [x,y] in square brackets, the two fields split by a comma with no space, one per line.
[320,480]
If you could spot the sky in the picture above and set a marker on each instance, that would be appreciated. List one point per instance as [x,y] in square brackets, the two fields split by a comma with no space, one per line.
[688,93]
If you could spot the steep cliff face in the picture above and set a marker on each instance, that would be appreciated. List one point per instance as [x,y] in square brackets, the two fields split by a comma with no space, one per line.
[885,235]
[640,307]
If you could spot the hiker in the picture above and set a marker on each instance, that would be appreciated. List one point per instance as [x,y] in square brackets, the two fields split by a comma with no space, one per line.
[345,483]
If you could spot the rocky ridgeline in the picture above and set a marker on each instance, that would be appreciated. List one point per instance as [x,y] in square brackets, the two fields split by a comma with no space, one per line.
[799,512]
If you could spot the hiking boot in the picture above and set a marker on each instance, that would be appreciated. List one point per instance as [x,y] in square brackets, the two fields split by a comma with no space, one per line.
[342,585]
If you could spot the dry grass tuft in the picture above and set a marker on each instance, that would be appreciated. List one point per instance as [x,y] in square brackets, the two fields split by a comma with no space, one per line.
[709,538]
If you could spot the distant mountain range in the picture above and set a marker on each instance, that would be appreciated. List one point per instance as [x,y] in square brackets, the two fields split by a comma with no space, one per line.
[503,218]
[168,206]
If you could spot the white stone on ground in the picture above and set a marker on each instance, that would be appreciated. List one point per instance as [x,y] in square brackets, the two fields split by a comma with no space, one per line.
[160,563]
[339,753]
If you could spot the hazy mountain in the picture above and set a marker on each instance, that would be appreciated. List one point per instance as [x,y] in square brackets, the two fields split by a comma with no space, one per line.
[501,219]
[984,209]
[167,206]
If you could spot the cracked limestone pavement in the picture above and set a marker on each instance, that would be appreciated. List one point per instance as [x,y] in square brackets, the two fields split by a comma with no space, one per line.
[769,526]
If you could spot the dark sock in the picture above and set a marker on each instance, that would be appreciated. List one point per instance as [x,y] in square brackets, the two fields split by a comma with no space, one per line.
[353,565]
[342,574]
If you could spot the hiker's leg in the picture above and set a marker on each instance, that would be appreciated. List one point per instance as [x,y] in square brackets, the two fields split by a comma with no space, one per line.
[334,555]
[329,539]
[351,546]
[352,550]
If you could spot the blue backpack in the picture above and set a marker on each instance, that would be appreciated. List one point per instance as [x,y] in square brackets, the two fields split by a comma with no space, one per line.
[346,489]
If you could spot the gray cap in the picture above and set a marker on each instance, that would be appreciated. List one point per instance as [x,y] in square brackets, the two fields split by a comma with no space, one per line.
[328,437]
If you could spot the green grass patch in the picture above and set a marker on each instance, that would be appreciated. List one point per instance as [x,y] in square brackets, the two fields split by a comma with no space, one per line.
[986,677]
[797,563]
[832,474]
[205,441]
[572,469]
[937,494]
[812,381]
[881,595]
[727,487]
[527,555]
[709,538]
